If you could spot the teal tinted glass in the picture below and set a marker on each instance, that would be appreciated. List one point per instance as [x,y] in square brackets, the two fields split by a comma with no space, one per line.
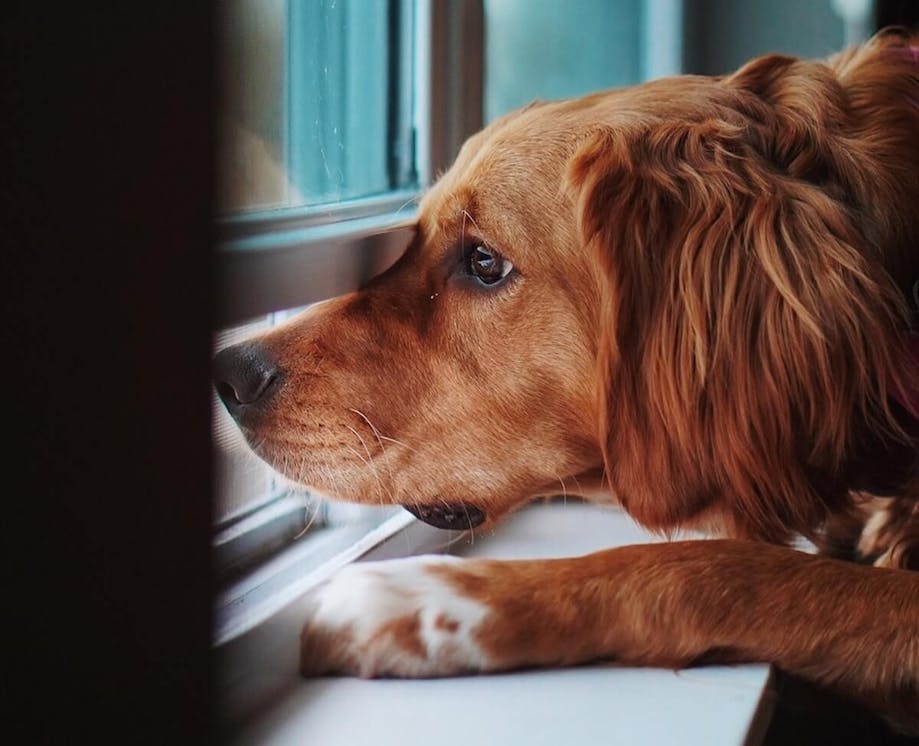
[317,101]
[549,49]
[545,49]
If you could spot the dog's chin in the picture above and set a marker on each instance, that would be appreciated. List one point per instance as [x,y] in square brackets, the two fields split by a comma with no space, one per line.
[457,517]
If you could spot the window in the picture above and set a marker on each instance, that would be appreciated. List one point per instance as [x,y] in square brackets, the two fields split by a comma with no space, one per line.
[317,102]
[318,118]
[334,113]
[542,49]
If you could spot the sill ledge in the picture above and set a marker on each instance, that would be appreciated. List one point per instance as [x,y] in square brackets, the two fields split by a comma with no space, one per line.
[269,703]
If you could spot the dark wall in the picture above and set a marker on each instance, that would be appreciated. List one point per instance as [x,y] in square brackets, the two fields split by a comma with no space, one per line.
[106,284]
[896,13]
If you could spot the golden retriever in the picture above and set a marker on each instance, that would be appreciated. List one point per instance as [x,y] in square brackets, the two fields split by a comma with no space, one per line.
[695,295]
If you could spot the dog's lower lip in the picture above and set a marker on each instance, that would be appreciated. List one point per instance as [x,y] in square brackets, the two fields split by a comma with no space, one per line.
[456,517]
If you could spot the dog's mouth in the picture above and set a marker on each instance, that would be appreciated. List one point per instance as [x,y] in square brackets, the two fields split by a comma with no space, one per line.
[454,517]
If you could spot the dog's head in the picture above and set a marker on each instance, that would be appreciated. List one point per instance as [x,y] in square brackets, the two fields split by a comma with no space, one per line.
[664,283]
[460,382]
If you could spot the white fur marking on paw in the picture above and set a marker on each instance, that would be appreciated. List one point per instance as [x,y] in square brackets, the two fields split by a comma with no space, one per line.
[368,596]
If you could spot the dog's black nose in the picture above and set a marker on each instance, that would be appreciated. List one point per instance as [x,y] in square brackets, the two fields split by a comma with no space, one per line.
[246,377]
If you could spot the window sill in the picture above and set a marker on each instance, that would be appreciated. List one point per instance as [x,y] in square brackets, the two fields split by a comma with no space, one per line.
[276,583]
[271,703]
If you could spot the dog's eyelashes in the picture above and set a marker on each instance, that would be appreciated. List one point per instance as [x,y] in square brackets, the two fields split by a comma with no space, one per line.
[486,265]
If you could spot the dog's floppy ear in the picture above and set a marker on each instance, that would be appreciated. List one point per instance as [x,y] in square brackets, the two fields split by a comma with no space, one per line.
[743,330]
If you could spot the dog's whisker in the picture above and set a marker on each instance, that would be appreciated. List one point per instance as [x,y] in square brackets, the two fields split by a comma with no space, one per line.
[376,433]
[372,466]
[359,455]
[398,442]
[469,521]
[302,471]
[414,199]
[449,542]
[471,220]
[564,489]
[366,419]
[314,514]
[332,479]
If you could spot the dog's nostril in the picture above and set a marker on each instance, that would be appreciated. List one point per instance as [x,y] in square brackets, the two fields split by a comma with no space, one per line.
[227,392]
[251,391]
[245,376]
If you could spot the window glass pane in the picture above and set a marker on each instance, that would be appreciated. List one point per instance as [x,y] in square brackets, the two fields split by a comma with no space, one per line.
[252,124]
[316,103]
[545,49]
[723,34]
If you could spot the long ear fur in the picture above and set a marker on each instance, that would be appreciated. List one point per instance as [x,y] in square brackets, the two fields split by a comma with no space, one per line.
[753,325]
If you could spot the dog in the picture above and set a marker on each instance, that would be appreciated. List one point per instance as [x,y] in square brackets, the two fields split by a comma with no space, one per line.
[693,297]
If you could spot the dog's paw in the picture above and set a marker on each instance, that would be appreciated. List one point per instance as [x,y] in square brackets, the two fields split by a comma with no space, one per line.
[397,618]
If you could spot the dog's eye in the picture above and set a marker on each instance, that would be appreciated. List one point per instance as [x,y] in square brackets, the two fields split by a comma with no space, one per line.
[487,266]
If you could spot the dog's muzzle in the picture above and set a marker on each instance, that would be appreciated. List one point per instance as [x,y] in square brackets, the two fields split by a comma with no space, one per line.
[454,517]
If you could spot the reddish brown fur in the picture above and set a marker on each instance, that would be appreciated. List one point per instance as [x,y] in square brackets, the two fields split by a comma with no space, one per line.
[708,316]
[755,327]
[403,632]
[443,622]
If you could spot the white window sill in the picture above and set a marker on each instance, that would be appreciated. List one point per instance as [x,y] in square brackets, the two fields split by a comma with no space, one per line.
[267,702]
[277,583]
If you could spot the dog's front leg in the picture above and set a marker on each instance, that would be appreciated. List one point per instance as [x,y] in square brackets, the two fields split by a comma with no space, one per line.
[442,616]
[854,628]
